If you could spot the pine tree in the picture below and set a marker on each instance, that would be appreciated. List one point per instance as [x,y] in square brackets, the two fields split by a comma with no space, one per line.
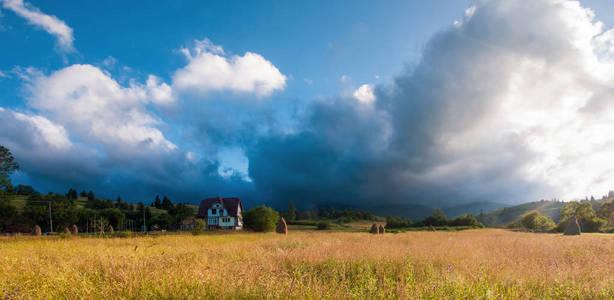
[166,203]
[157,203]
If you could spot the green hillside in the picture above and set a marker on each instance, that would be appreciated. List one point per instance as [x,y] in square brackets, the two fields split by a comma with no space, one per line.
[507,215]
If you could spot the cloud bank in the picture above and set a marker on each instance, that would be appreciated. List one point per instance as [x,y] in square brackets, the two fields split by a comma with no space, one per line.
[511,103]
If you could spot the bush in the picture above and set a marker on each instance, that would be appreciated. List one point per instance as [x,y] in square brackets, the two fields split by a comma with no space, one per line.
[534,220]
[323,225]
[260,219]
[199,225]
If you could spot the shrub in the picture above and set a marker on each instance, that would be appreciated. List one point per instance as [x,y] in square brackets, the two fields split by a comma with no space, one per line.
[260,219]
[534,220]
[199,225]
[323,225]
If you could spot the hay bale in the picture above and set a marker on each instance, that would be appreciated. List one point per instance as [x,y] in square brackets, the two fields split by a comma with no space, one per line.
[73,229]
[573,227]
[374,228]
[110,229]
[36,231]
[66,230]
[381,229]
[431,228]
[282,227]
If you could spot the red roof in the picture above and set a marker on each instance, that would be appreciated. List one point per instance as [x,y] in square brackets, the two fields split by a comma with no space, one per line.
[230,204]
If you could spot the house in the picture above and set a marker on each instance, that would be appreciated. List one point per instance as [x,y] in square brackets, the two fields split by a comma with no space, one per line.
[187,223]
[221,213]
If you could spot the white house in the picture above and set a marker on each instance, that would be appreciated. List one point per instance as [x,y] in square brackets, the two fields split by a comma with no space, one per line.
[221,213]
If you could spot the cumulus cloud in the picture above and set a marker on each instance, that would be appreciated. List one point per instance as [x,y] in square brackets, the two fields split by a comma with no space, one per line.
[365,93]
[95,108]
[509,105]
[50,24]
[209,69]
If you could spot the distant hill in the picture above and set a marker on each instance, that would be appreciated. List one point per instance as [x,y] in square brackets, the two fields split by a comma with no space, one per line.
[506,215]
[419,212]
[474,208]
[408,210]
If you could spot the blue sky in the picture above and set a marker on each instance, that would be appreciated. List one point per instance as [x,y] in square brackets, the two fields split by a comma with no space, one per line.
[278,100]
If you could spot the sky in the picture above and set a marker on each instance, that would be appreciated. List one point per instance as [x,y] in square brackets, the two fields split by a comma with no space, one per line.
[361,103]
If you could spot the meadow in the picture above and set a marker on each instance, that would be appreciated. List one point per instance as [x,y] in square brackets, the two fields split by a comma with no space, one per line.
[488,263]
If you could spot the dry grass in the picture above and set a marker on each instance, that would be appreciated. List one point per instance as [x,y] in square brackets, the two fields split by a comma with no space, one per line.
[426,265]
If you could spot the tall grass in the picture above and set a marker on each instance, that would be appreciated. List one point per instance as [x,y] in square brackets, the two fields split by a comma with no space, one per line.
[307,265]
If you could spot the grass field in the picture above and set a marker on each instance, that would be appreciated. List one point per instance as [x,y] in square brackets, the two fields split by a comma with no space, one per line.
[471,264]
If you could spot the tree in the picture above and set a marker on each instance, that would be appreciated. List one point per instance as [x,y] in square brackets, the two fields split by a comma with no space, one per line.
[24,190]
[8,211]
[534,220]
[157,203]
[90,196]
[118,202]
[7,166]
[585,214]
[83,193]
[437,218]
[167,204]
[260,219]
[291,211]
[606,212]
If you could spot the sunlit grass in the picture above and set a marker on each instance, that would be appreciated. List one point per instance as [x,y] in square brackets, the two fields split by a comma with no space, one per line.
[466,264]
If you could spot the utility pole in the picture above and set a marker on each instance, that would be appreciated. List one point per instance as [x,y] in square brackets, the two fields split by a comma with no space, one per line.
[50,219]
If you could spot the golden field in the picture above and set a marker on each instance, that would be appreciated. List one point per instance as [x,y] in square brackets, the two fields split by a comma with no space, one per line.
[471,264]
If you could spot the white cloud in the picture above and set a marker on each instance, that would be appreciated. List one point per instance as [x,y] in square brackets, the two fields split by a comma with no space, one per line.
[36,129]
[209,70]
[159,92]
[96,109]
[51,24]
[365,94]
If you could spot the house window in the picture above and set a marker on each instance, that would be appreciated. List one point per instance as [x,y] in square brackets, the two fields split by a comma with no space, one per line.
[225,220]
[214,211]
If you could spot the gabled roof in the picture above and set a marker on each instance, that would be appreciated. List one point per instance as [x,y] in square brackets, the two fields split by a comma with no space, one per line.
[230,204]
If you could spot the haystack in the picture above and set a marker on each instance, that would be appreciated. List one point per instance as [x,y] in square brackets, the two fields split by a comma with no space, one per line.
[282,227]
[36,231]
[431,228]
[66,230]
[73,229]
[374,228]
[381,229]
[573,227]
[110,229]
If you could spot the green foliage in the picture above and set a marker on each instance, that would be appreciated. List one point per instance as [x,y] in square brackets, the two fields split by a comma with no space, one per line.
[465,220]
[7,166]
[534,220]
[8,211]
[437,218]
[260,219]
[583,210]
[396,222]
[606,212]
[323,225]
[199,225]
